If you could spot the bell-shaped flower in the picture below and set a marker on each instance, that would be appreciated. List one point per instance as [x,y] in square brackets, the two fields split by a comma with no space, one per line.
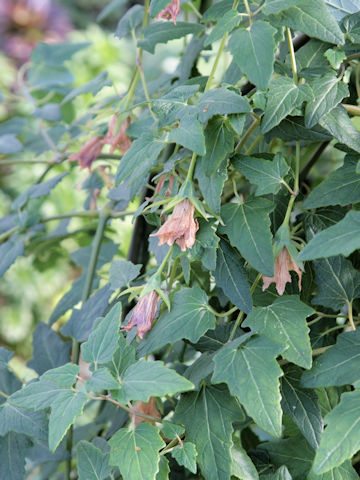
[284,263]
[88,153]
[118,139]
[171,11]
[181,227]
[143,314]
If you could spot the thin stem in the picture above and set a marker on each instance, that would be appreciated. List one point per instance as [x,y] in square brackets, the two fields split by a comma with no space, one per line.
[170,445]
[173,273]
[18,161]
[296,185]
[164,262]
[3,394]
[4,236]
[282,181]
[216,62]
[350,315]
[190,173]
[328,315]
[246,3]
[247,134]
[128,409]
[292,55]
[75,352]
[253,145]
[357,80]
[222,314]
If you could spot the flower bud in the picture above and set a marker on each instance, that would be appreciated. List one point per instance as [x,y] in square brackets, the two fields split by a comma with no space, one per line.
[143,313]
[283,264]
[88,153]
[171,11]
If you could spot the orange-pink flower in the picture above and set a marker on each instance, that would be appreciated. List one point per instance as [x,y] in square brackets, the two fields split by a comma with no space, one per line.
[120,139]
[283,264]
[147,408]
[143,313]
[181,227]
[88,153]
[171,11]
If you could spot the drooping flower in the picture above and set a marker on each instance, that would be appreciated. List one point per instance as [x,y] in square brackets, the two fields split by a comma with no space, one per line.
[120,139]
[143,313]
[88,153]
[170,12]
[147,408]
[181,227]
[283,264]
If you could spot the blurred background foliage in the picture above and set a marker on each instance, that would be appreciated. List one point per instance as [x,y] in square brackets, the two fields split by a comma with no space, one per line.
[33,285]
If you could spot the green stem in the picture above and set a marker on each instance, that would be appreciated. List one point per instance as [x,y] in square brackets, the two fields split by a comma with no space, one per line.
[350,315]
[248,11]
[222,314]
[164,262]
[170,445]
[173,273]
[75,352]
[128,409]
[216,63]
[190,173]
[292,55]
[247,134]
[253,145]
[296,185]
[3,394]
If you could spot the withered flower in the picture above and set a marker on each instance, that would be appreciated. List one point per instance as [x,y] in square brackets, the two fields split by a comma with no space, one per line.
[170,12]
[120,139]
[143,313]
[88,153]
[283,264]
[147,408]
[180,227]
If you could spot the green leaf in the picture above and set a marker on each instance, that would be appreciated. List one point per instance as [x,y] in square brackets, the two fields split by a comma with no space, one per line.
[344,472]
[165,31]
[221,101]
[302,406]
[64,409]
[9,144]
[311,18]
[257,388]
[122,273]
[142,155]
[109,8]
[341,187]
[340,8]
[342,238]
[164,469]
[230,275]
[49,351]
[292,128]
[311,55]
[248,227]
[351,24]
[337,280]
[135,452]
[132,19]
[173,105]
[102,341]
[285,322]
[93,86]
[219,141]
[144,379]
[170,430]
[226,24]
[283,96]
[189,134]
[328,398]
[185,455]
[328,91]
[338,123]
[49,77]
[92,462]
[5,357]
[188,318]
[335,57]
[253,50]
[266,175]
[276,6]
[22,420]
[13,449]
[208,416]
[100,380]
[241,465]
[281,474]
[57,53]
[123,357]
[340,439]
[211,187]
[295,453]
[339,365]
[9,251]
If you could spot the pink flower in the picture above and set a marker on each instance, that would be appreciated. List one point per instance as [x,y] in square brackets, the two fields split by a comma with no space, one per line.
[180,227]
[147,408]
[283,264]
[143,313]
[88,153]
[171,11]
[120,139]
